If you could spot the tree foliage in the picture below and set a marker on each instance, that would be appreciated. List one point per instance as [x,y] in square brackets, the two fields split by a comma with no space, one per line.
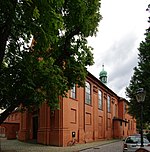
[141,79]
[31,73]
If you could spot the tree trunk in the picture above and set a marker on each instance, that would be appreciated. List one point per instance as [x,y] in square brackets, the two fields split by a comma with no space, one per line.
[7,112]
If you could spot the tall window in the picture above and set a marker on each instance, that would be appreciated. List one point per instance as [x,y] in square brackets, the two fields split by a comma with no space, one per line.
[100,99]
[73,92]
[88,93]
[108,104]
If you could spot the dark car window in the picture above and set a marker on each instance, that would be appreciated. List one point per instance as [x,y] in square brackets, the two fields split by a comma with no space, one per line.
[146,140]
[132,140]
[135,139]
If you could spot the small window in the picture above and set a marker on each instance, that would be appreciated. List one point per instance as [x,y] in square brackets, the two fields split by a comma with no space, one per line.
[88,93]
[73,92]
[100,99]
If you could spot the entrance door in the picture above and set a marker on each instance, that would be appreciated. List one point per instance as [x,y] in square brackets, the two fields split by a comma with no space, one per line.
[35,126]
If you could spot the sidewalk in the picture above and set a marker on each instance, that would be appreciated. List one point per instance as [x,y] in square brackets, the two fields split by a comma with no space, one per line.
[17,146]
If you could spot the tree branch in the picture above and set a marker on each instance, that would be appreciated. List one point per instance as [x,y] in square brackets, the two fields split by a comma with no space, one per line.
[69,37]
[6,28]
[7,112]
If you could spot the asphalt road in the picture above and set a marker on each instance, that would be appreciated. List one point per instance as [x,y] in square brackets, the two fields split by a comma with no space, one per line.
[99,146]
[112,147]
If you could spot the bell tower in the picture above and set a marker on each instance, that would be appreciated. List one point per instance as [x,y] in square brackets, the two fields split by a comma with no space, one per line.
[103,75]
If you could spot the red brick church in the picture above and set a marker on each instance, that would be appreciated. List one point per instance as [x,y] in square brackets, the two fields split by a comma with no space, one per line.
[88,114]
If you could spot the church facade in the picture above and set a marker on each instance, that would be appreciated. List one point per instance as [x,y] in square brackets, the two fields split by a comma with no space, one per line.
[87,114]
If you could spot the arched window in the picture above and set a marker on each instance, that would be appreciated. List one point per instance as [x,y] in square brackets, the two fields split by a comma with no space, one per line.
[108,104]
[88,93]
[100,99]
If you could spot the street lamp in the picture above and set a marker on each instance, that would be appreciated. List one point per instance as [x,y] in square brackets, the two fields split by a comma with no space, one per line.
[140,97]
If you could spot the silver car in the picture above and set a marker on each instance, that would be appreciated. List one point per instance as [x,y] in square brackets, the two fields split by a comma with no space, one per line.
[132,143]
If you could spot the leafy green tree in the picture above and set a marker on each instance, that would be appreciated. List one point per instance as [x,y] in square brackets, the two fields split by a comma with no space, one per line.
[41,71]
[141,79]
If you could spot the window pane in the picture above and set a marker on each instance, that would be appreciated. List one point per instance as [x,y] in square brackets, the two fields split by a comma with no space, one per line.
[100,98]
[108,104]
[88,93]
[73,92]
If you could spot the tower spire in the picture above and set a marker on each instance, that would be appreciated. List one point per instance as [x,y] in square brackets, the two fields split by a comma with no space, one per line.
[103,75]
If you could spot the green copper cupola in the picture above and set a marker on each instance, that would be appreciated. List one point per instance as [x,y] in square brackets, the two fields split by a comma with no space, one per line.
[103,75]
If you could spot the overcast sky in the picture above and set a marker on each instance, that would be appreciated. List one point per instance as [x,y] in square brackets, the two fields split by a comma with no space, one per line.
[116,45]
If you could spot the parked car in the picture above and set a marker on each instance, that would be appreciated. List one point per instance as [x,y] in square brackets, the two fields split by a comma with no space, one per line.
[132,143]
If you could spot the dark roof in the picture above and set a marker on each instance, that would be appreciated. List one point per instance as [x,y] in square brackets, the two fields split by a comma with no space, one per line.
[119,119]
